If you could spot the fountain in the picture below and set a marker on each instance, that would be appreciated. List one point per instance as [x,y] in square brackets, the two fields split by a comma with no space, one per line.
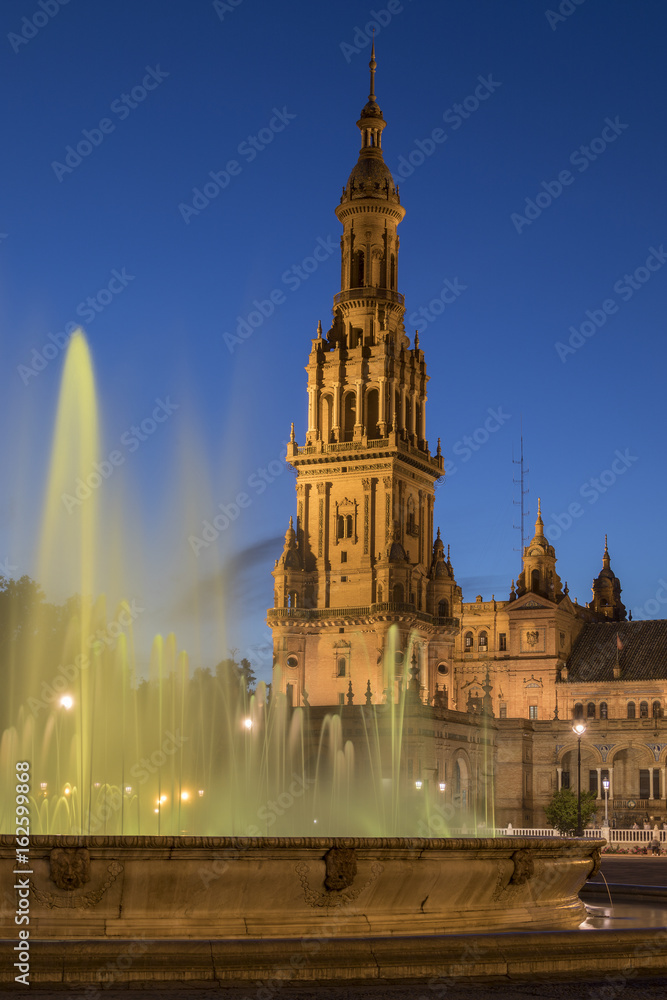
[184,811]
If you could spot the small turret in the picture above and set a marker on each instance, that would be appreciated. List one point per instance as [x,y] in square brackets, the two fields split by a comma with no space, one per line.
[607,591]
[539,575]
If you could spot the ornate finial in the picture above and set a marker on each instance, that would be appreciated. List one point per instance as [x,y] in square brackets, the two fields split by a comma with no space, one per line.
[291,523]
[393,422]
[369,693]
[291,436]
[566,590]
[539,507]
[319,329]
[416,340]
[438,534]
[448,559]
[372,66]
[350,694]
[439,451]
[556,708]
[605,544]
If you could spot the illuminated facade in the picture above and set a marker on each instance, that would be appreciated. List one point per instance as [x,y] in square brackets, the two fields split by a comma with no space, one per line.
[362,557]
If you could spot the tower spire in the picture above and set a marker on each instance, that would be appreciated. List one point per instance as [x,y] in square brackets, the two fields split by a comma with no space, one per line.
[372,66]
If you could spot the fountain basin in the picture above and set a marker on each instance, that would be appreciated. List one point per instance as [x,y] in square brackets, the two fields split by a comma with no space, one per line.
[105,888]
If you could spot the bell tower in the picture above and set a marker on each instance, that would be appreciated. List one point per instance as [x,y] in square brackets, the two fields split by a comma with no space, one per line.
[607,591]
[362,557]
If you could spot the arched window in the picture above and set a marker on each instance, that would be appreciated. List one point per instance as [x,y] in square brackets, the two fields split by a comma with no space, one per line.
[535,581]
[411,526]
[348,526]
[291,599]
[379,594]
[397,593]
[372,414]
[578,710]
[468,642]
[590,710]
[443,608]
[326,418]
[358,269]
[341,666]
[603,710]
[340,527]
[631,710]
[392,275]
[349,415]
[643,710]
[657,710]
[483,641]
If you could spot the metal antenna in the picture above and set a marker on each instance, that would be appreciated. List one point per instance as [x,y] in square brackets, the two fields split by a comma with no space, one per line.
[523,492]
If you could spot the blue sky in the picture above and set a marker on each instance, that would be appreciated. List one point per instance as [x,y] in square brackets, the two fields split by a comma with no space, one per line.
[542,203]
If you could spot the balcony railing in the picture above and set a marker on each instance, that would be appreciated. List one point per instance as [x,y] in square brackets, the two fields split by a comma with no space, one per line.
[370,291]
[363,611]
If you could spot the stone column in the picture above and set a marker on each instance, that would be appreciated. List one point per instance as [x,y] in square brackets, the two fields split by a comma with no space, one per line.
[599,794]
[559,778]
[312,406]
[611,782]
[663,786]
[359,422]
[336,412]
[382,418]
[650,782]
[413,414]
[401,417]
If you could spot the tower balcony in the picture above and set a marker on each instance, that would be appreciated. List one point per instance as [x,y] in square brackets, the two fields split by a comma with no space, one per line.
[377,612]
[369,292]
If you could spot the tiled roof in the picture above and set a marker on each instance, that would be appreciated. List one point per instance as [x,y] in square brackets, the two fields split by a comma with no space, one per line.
[643,656]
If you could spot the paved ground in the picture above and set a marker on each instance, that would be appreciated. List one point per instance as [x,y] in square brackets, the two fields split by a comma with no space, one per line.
[622,869]
[644,989]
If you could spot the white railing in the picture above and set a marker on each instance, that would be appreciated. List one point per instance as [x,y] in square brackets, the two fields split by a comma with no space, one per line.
[629,837]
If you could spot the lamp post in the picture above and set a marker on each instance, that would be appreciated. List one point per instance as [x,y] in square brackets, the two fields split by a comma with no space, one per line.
[605,785]
[579,728]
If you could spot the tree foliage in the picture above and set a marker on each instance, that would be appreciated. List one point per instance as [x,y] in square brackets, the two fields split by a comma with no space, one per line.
[562,810]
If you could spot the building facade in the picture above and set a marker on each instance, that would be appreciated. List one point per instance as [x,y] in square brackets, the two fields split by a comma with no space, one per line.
[365,595]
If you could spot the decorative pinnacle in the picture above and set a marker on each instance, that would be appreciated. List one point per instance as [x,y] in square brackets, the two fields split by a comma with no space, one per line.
[291,436]
[605,546]
[319,329]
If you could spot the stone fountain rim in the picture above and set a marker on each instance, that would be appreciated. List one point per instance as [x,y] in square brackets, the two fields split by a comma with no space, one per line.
[561,844]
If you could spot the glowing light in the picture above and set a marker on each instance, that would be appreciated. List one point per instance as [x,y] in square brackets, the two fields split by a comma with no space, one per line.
[442,786]
[43,785]
[68,791]
[247,723]
[185,796]
[156,810]
[579,728]
[163,798]
[67,701]
[418,784]
[200,792]
[128,789]
[97,784]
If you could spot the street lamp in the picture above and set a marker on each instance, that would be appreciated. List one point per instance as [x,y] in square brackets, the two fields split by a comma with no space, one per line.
[579,728]
[605,785]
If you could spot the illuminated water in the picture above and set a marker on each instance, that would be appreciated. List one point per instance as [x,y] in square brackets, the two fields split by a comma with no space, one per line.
[121,746]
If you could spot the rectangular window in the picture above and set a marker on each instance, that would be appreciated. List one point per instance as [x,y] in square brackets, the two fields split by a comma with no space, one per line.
[656,783]
[289,691]
[341,698]
[503,710]
[644,785]
[532,711]
[343,557]
[565,779]
[593,781]
[502,642]
[343,579]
